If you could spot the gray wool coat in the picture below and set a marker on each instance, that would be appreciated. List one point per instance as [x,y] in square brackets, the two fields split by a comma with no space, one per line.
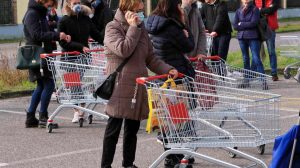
[122,41]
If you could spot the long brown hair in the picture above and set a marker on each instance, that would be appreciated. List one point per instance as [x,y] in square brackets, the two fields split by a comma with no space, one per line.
[169,9]
[55,2]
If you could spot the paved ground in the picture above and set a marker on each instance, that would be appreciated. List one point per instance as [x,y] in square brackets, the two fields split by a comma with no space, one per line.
[74,147]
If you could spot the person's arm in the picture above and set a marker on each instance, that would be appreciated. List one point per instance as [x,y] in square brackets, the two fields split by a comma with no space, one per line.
[72,45]
[270,10]
[222,12]
[34,27]
[155,64]
[122,46]
[236,21]
[252,23]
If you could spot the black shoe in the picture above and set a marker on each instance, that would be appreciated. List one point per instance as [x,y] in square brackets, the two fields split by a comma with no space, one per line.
[31,121]
[43,118]
[170,163]
[275,77]
[172,160]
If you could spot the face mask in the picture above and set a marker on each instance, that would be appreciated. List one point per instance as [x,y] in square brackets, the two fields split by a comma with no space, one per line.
[199,5]
[96,3]
[141,16]
[49,9]
[91,16]
[76,8]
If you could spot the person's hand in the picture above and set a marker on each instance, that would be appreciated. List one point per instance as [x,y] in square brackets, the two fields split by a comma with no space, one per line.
[132,18]
[186,33]
[62,36]
[85,49]
[68,38]
[213,34]
[173,73]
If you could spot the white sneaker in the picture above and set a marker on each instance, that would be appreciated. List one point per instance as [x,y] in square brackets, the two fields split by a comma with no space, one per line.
[76,117]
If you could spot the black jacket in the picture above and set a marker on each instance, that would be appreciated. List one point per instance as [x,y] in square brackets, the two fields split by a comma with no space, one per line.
[37,32]
[170,43]
[103,14]
[80,27]
[215,17]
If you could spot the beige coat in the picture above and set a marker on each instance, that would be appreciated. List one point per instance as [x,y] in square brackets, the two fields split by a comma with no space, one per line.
[122,41]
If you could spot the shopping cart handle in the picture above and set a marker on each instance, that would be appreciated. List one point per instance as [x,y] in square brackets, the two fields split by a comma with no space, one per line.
[96,50]
[214,58]
[59,54]
[143,80]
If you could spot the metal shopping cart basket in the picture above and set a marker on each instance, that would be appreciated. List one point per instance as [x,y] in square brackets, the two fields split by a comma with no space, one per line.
[290,47]
[76,76]
[234,118]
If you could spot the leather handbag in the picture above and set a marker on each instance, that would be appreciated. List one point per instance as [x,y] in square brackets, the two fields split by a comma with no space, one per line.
[105,90]
[28,57]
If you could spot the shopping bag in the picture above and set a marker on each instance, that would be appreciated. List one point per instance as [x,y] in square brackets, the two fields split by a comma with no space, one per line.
[176,104]
[206,101]
[28,57]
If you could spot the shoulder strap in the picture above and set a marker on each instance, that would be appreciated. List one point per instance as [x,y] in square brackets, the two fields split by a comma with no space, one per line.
[121,66]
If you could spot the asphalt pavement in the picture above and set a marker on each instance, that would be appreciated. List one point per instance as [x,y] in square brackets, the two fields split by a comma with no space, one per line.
[74,147]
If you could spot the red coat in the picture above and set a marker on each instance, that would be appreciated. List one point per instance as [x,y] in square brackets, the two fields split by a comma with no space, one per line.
[272,18]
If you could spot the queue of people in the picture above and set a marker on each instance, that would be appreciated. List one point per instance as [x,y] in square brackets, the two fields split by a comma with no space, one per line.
[175,30]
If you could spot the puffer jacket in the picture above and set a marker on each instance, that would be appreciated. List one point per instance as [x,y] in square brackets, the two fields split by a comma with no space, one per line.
[170,43]
[246,22]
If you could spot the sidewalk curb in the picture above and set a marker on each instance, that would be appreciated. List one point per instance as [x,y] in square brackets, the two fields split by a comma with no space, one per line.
[15,94]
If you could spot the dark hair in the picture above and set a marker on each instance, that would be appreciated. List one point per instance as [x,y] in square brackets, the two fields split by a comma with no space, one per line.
[169,9]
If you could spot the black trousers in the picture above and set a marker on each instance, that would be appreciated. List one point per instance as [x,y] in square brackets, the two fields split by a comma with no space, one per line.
[111,137]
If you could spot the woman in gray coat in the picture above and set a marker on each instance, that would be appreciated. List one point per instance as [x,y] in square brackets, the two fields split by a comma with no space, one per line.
[126,36]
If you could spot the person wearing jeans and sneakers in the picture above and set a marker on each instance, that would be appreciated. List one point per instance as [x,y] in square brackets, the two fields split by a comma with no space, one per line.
[269,9]
[37,32]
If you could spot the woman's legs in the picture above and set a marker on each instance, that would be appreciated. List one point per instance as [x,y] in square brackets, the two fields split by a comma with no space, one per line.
[36,96]
[244,45]
[110,141]
[131,128]
[255,50]
[48,84]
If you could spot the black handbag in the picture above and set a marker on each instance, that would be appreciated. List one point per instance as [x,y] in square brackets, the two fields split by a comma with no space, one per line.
[28,57]
[105,90]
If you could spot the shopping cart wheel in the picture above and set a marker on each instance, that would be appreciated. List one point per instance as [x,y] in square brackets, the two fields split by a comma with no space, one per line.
[49,128]
[90,118]
[191,160]
[286,75]
[80,121]
[232,155]
[261,149]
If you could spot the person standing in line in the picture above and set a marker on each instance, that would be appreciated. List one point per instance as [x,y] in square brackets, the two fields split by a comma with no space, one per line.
[37,32]
[246,23]
[269,9]
[78,24]
[125,37]
[216,20]
[193,21]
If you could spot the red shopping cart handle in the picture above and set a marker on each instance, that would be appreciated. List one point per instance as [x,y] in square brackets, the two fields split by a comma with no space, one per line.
[96,50]
[214,58]
[59,54]
[143,80]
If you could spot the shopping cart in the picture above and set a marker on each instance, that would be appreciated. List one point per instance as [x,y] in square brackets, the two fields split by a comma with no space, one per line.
[290,47]
[231,76]
[234,118]
[76,77]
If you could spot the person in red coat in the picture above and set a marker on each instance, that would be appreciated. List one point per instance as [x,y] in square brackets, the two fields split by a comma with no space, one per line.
[269,9]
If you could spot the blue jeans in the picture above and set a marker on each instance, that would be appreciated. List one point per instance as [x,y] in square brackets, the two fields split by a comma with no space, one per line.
[221,46]
[272,53]
[254,46]
[42,93]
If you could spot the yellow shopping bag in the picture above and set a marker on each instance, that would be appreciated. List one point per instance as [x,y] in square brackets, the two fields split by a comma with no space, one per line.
[152,122]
